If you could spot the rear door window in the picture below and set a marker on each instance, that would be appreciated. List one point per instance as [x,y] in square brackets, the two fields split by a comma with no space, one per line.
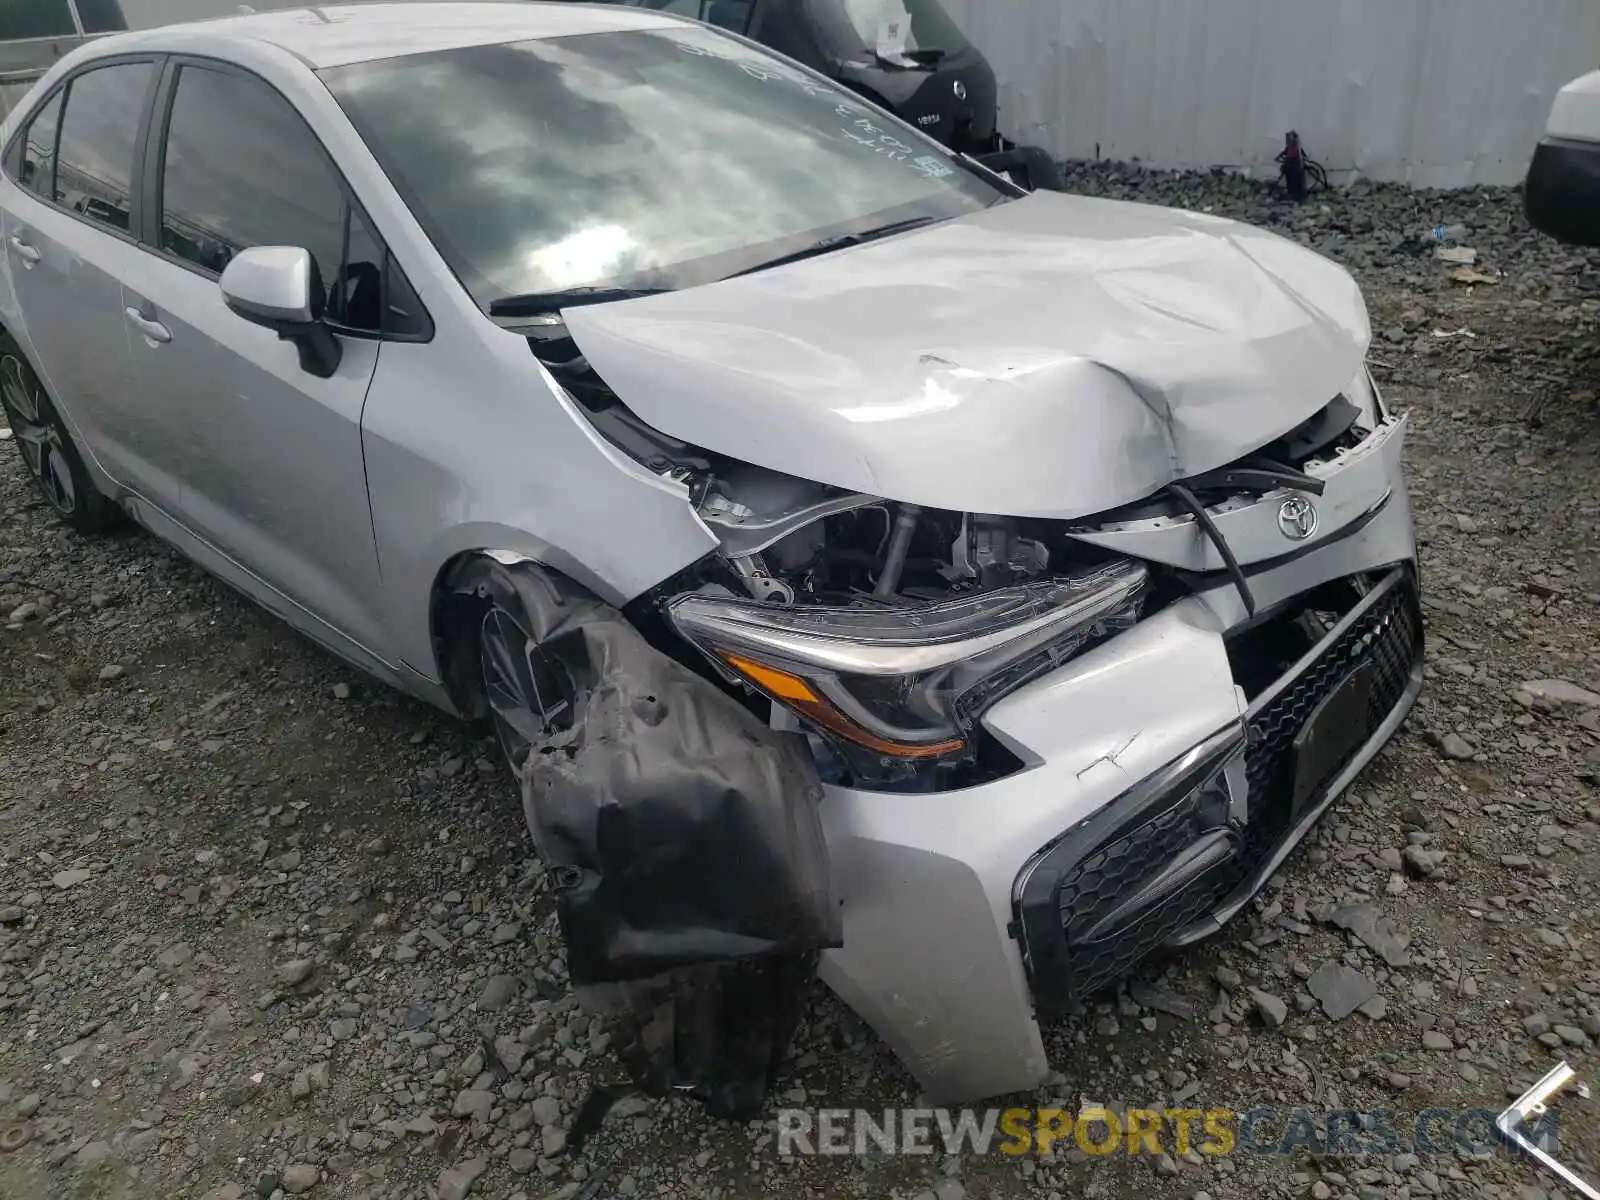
[94,159]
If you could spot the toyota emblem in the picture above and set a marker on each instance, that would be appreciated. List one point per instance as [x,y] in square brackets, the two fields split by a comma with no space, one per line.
[1297,518]
[961,90]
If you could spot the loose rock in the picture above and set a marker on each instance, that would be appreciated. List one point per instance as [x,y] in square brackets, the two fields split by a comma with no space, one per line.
[456,1182]
[1340,990]
[1272,1008]
[295,972]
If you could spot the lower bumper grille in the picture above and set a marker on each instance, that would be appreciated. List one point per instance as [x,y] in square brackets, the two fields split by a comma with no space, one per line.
[1179,847]
[1387,640]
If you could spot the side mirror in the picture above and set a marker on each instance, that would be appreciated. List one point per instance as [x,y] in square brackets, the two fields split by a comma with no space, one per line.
[280,288]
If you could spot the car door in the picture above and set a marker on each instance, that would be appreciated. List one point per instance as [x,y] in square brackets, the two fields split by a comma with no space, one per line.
[70,222]
[268,455]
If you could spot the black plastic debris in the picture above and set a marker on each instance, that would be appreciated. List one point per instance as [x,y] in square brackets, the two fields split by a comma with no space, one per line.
[591,1115]
[716,1032]
[1300,174]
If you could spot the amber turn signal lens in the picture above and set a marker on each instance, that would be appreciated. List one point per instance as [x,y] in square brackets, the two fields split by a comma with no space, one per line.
[794,692]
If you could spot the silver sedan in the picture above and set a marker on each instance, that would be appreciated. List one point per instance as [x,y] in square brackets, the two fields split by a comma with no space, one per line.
[868,569]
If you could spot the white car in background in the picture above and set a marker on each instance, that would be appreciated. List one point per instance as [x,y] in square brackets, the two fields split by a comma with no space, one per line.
[1562,192]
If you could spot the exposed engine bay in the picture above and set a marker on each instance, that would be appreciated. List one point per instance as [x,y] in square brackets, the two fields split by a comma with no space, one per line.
[872,552]
[883,630]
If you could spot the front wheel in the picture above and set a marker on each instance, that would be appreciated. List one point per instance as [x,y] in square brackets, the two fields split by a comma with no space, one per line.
[529,692]
[46,446]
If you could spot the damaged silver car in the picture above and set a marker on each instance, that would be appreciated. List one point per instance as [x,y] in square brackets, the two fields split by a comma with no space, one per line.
[869,570]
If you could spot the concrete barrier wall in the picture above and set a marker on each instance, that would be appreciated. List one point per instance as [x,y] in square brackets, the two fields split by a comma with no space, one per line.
[1436,93]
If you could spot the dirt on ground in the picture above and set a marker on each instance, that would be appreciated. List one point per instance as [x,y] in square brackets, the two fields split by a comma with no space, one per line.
[268,928]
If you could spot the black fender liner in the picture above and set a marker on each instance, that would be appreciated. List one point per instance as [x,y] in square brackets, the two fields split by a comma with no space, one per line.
[685,843]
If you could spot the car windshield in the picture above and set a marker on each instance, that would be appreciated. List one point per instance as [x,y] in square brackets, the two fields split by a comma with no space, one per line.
[857,27]
[644,159]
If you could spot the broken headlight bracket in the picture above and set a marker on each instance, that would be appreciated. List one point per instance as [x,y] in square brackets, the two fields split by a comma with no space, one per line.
[1518,1125]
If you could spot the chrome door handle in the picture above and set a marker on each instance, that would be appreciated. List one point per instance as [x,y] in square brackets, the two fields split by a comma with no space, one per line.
[28,255]
[154,330]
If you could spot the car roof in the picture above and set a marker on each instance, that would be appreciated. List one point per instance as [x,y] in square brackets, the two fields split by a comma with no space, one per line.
[336,35]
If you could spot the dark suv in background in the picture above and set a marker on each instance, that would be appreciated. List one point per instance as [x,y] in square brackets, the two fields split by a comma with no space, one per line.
[908,56]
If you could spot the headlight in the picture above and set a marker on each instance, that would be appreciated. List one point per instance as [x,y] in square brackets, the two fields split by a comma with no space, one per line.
[898,685]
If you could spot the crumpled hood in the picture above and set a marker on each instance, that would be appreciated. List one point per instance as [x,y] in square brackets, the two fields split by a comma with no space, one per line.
[1053,357]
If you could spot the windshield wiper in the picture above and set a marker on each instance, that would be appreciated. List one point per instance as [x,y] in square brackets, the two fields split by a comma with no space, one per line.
[839,241]
[536,303]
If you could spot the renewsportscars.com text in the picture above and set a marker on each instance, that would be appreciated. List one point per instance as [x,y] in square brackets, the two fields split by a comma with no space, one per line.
[1213,1132]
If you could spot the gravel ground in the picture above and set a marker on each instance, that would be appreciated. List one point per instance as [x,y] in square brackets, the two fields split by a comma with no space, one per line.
[267,927]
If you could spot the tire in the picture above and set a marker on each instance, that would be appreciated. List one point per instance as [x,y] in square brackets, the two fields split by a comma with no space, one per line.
[1029,167]
[1044,173]
[46,446]
[521,691]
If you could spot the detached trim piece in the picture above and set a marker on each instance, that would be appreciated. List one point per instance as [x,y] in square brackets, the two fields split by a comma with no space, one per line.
[1526,1112]
[678,829]
[1261,710]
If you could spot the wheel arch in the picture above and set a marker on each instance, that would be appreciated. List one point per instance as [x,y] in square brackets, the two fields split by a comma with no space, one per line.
[460,595]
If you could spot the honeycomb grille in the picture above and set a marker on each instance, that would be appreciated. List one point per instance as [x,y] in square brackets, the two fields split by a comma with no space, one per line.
[1389,636]
[1106,877]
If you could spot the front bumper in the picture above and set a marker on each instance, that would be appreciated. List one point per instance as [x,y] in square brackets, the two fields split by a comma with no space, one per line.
[1156,802]
[1174,857]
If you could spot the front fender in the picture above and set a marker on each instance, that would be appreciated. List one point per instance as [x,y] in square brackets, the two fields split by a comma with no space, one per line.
[471,447]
